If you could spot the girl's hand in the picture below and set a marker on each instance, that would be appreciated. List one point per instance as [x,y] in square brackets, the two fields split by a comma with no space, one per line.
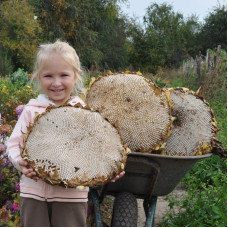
[30,173]
[118,176]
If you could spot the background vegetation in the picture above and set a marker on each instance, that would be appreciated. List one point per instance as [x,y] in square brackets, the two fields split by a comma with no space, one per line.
[168,48]
[103,36]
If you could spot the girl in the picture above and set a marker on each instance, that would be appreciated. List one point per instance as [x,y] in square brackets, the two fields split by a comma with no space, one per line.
[58,71]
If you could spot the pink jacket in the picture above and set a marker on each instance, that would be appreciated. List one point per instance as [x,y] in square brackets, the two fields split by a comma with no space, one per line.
[40,190]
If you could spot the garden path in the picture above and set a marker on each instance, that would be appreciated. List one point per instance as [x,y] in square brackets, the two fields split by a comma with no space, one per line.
[161,207]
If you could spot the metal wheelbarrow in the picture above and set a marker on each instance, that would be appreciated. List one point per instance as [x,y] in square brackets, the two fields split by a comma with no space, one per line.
[147,177]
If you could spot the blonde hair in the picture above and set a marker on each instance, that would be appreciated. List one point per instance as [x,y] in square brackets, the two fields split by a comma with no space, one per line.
[69,55]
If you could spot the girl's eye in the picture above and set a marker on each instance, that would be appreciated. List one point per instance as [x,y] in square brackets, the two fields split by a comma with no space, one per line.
[47,76]
[64,75]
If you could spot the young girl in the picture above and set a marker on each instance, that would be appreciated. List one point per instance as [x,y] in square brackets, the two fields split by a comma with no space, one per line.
[58,71]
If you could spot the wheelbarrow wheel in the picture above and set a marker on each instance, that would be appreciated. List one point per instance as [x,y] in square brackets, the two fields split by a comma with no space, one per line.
[125,210]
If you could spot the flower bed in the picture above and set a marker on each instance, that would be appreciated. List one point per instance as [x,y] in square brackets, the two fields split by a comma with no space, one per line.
[9,180]
[14,92]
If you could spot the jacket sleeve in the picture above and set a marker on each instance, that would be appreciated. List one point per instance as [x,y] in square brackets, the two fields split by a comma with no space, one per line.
[16,138]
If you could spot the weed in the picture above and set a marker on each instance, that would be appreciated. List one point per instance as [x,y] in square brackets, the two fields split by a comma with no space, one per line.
[205,204]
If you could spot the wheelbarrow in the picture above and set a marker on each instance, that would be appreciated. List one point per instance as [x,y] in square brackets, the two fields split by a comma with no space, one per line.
[147,176]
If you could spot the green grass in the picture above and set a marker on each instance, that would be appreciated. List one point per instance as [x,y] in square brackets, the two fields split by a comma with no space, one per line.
[220,111]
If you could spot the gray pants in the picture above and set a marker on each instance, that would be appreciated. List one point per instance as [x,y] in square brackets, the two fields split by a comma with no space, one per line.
[35,213]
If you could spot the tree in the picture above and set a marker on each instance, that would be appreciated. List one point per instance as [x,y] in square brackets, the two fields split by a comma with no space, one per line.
[6,65]
[112,37]
[214,30]
[91,27]
[19,31]
[190,36]
[137,47]
[167,39]
[164,35]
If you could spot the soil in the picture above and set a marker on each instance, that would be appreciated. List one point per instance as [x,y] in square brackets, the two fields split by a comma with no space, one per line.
[161,208]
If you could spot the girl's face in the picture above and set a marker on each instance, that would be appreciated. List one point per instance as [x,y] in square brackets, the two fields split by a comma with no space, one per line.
[57,79]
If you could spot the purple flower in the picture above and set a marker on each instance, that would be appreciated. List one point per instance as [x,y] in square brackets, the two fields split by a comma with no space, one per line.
[8,205]
[15,207]
[5,155]
[9,163]
[4,163]
[17,187]
[19,110]
[2,147]
[14,169]
[1,157]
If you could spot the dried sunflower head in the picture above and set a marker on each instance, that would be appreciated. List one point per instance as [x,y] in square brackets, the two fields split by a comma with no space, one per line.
[136,106]
[74,146]
[194,126]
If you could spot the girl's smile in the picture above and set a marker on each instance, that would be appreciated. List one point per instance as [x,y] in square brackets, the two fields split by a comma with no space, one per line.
[57,79]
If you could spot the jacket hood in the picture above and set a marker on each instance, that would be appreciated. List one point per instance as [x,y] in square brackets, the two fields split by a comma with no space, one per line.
[43,101]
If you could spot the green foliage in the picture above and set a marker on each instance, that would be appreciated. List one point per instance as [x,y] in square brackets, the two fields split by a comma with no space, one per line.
[103,37]
[89,75]
[214,83]
[19,78]
[19,31]
[167,34]
[167,39]
[163,34]
[6,65]
[158,82]
[210,76]
[12,95]
[136,47]
[178,81]
[205,204]
[94,28]
[214,30]
[220,111]
[211,171]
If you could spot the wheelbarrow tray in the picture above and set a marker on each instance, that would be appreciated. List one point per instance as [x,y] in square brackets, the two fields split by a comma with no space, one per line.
[153,174]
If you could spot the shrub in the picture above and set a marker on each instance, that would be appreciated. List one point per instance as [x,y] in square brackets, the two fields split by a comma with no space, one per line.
[12,95]
[19,78]
[8,174]
[205,204]
[9,179]
[6,65]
